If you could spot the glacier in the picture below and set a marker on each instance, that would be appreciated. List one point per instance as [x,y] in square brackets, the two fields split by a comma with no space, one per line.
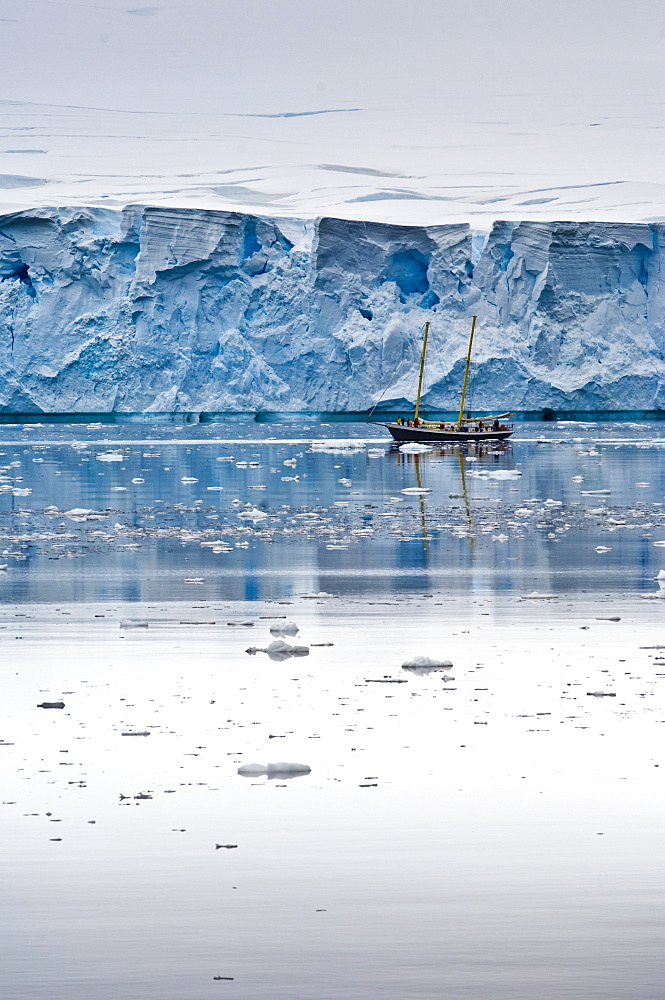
[160,309]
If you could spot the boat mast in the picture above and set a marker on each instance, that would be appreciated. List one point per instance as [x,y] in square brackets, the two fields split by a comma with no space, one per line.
[422,369]
[466,373]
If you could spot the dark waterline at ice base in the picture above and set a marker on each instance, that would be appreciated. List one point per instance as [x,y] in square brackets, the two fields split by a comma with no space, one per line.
[489,825]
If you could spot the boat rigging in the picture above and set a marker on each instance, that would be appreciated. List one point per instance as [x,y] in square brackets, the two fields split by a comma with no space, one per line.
[466,428]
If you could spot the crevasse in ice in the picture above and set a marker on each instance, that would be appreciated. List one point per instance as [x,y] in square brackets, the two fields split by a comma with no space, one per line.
[164,309]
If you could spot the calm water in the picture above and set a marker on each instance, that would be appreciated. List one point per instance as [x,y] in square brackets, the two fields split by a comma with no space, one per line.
[493,830]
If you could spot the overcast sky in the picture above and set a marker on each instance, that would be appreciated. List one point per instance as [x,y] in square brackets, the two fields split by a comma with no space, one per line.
[282,55]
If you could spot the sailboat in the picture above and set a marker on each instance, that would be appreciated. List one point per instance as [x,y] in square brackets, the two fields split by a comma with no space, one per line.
[466,428]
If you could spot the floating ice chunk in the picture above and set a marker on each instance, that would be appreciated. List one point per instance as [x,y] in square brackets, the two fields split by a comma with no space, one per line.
[376,452]
[18,492]
[414,448]
[600,549]
[660,575]
[188,479]
[314,597]
[578,479]
[110,456]
[83,514]
[660,545]
[281,769]
[426,663]
[194,579]
[595,493]
[284,628]
[133,624]
[504,474]
[278,649]
[601,694]
[291,462]
[415,491]
[500,538]
[137,480]
[338,447]
[253,514]
[535,596]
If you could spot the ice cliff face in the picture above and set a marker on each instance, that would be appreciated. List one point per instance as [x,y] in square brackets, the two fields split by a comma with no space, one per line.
[164,309]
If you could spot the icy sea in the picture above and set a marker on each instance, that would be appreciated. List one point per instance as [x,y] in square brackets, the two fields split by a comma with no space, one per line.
[201,598]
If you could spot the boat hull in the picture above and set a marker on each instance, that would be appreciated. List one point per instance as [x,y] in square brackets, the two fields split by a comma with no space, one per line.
[402,433]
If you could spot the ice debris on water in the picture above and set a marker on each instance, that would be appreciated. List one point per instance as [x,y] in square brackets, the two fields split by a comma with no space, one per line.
[414,491]
[535,596]
[278,649]
[110,456]
[601,549]
[426,663]
[252,514]
[284,628]
[414,448]
[52,704]
[281,769]
[340,446]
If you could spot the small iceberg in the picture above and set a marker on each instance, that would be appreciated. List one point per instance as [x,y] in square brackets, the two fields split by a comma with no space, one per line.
[284,628]
[426,663]
[422,665]
[282,769]
[414,491]
[279,650]
[535,596]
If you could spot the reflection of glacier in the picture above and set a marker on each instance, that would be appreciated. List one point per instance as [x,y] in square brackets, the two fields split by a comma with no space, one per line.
[182,309]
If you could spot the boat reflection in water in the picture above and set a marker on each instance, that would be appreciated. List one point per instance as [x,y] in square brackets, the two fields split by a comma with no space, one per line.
[485,454]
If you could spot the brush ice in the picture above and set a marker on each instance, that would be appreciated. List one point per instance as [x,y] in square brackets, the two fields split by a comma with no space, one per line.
[184,309]
[414,448]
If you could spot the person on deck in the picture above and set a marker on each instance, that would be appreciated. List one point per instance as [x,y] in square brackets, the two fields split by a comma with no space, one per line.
[495,425]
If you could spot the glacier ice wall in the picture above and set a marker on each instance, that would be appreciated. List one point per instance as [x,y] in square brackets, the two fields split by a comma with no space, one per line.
[160,309]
